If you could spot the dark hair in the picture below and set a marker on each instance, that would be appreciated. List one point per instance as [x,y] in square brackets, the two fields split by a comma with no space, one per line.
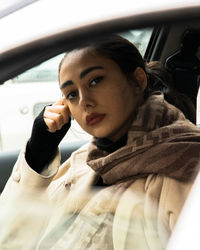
[120,50]
[128,58]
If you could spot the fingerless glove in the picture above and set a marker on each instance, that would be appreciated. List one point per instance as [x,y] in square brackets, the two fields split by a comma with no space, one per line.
[42,146]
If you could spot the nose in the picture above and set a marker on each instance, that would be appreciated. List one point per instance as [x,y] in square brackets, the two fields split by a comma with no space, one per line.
[86,99]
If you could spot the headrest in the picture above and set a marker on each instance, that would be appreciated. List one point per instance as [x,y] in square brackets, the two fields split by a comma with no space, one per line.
[184,65]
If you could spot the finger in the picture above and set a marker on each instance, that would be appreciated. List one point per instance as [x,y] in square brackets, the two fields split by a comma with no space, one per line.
[59,109]
[51,125]
[56,117]
[65,113]
[60,102]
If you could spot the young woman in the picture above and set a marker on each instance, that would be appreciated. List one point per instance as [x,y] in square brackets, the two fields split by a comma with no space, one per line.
[124,189]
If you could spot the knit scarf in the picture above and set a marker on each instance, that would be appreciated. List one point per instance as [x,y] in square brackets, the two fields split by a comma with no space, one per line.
[160,141]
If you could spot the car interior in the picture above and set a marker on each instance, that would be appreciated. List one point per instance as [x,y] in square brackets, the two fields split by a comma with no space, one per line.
[170,33]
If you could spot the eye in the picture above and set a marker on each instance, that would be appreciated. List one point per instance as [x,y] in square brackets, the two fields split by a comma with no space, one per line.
[72,95]
[96,80]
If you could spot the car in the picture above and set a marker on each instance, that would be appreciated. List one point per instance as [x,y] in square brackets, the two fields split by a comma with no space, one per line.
[42,31]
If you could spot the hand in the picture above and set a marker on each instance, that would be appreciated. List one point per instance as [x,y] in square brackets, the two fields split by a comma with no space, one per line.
[57,115]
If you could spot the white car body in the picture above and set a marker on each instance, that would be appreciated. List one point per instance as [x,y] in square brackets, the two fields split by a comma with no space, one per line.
[46,17]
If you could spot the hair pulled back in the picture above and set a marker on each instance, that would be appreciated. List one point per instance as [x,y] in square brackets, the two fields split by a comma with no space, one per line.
[128,58]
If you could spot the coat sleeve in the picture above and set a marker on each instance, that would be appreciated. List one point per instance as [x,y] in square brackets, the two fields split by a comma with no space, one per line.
[164,199]
[24,204]
[173,196]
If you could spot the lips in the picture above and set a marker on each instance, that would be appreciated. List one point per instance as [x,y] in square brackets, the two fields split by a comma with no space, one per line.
[94,118]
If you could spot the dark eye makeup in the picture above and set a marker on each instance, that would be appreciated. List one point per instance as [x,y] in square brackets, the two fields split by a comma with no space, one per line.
[71,95]
[96,80]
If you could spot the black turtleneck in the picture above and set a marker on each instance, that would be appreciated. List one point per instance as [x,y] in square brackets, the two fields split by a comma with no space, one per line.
[109,146]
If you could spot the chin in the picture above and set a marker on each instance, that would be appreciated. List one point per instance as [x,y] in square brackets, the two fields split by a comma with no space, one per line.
[100,134]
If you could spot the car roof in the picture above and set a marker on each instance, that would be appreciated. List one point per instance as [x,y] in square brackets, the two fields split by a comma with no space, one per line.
[43,18]
[45,28]
[9,6]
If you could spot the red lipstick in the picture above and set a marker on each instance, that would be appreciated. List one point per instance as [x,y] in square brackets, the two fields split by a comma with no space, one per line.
[94,118]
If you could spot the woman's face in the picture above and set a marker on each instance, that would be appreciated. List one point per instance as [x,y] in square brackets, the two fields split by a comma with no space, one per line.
[99,96]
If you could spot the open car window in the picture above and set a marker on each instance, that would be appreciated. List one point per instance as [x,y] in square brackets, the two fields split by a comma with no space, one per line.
[32,90]
[198,107]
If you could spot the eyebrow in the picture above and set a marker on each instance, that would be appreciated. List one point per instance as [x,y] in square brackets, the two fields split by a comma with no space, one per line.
[88,70]
[65,84]
[82,75]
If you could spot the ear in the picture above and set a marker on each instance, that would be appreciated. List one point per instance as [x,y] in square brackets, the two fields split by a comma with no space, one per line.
[141,79]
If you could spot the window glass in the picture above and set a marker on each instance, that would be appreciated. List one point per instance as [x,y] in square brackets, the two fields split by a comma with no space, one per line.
[198,95]
[45,72]
[24,96]
[198,108]
[139,37]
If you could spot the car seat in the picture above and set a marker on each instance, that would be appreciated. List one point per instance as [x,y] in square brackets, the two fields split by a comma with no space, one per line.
[184,65]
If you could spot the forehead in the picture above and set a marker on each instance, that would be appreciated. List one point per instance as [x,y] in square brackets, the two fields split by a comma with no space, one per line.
[75,62]
[78,54]
[83,58]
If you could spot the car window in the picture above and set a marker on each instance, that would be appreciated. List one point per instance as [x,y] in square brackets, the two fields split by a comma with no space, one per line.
[24,96]
[198,107]
[139,37]
[198,94]
[45,72]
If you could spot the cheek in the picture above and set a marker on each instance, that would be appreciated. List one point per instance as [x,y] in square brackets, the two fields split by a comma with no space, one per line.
[117,106]
[77,115]
[126,107]
[73,111]
[122,101]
